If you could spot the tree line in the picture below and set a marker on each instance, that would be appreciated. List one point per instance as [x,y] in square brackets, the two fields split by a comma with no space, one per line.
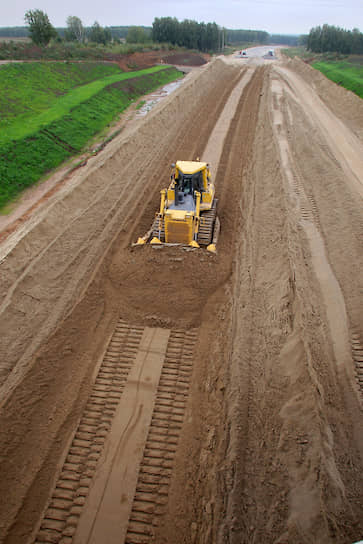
[117,32]
[334,39]
[41,31]
[285,39]
[187,33]
[246,36]
[143,34]
[14,32]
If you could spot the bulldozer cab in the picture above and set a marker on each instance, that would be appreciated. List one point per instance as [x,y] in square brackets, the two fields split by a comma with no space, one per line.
[191,176]
[189,183]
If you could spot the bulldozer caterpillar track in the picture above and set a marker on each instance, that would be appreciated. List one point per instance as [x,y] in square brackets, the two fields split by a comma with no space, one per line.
[206,227]
[155,229]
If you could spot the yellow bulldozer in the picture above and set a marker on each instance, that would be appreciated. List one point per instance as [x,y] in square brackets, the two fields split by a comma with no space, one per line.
[188,209]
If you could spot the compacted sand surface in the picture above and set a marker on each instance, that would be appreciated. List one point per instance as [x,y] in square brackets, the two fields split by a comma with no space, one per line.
[174,396]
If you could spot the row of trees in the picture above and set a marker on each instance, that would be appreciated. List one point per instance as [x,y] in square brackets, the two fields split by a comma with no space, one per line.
[190,34]
[334,39]
[14,32]
[246,36]
[117,32]
[138,34]
[41,30]
[285,39]
[142,34]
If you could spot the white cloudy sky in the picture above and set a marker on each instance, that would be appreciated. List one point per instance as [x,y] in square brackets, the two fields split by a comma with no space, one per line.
[274,16]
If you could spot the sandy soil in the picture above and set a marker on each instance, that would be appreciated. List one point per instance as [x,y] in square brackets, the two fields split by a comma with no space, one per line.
[270,446]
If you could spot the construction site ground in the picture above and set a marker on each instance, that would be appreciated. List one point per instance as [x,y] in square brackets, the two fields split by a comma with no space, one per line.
[165,395]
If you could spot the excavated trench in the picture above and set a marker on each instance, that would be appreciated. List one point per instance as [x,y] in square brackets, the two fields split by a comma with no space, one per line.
[217,388]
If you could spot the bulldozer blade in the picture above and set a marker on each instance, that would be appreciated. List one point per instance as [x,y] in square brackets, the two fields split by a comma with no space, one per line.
[193,243]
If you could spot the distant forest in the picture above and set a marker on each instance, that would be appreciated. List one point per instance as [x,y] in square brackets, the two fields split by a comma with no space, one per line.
[117,32]
[190,34]
[285,39]
[334,39]
[259,36]
[14,32]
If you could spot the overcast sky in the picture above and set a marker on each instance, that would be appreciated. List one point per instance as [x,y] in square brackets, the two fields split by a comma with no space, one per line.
[274,16]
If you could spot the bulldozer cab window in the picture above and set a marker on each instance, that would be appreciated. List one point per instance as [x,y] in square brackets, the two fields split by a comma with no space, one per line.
[188,183]
[188,186]
[199,181]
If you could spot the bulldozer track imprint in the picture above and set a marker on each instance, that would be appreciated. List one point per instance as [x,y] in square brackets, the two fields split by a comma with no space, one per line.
[84,458]
[70,492]
[305,202]
[156,467]
[357,353]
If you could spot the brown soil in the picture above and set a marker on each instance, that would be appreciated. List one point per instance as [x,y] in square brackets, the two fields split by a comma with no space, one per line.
[139,61]
[271,446]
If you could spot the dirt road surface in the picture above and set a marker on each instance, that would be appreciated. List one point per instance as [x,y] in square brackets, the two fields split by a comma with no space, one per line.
[171,396]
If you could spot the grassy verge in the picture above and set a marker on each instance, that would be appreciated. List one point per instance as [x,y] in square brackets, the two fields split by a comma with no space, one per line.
[29,88]
[346,74]
[345,70]
[24,160]
[19,129]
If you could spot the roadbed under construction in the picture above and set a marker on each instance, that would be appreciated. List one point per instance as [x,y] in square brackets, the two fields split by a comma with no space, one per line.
[169,395]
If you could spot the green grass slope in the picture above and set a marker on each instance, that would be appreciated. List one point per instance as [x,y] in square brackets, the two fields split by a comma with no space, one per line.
[30,88]
[346,74]
[24,124]
[23,160]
